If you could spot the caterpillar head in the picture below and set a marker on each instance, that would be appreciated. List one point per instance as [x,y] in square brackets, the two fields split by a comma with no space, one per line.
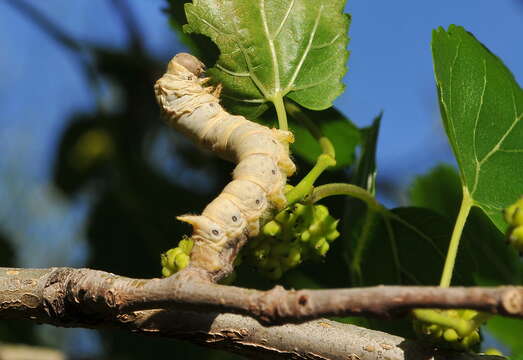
[205,230]
[188,62]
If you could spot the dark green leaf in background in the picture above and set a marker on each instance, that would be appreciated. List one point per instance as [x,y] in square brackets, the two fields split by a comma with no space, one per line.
[439,190]
[484,257]
[482,108]
[343,134]
[355,243]
[366,172]
[274,48]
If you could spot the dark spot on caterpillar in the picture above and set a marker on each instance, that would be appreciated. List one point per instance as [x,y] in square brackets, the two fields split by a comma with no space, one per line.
[211,104]
[190,77]
[215,232]
[303,300]
[234,218]
[258,201]
[273,172]
[274,141]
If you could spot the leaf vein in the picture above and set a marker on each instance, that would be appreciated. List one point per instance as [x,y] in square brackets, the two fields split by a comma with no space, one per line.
[328,43]
[306,51]
[284,20]
[230,72]
[274,59]
[474,131]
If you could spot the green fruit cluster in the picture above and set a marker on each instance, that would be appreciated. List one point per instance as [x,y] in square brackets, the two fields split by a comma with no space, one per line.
[514,217]
[175,259]
[296,234]
[463,335]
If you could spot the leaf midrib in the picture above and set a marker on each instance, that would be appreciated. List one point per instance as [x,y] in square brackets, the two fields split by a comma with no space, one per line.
[497,146]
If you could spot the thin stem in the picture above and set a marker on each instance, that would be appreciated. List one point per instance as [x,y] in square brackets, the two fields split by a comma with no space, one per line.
[357,192]
[361,245]
[325,160]
[280,112]
[296,113]
[306,185]
[464,210]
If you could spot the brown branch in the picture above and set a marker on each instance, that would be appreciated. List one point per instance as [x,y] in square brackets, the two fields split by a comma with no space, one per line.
[100,293]
[52,296]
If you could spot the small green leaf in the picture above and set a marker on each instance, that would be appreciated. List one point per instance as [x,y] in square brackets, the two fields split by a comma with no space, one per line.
[343,134]
[366,173]
[271,49]
[482,108]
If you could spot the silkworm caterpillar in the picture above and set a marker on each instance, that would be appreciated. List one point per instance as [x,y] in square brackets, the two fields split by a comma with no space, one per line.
[261,154]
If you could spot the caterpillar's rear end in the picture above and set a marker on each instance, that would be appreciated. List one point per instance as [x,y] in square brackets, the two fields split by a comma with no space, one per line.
[260,152]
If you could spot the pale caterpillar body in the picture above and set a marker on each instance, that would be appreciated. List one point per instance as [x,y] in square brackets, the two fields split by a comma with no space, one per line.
[261,154]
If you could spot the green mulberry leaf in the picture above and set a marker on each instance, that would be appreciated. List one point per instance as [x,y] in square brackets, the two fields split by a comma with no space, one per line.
[482,109]
[274,48]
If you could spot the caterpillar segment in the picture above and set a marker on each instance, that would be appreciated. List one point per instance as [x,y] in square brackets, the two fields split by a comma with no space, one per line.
[261,154]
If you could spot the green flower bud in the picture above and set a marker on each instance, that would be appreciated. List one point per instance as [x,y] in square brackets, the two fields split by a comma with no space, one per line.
[186,245]
[514,213]
[493,351]
[516,238]
[450,335]
[296,234]
[467,314]
[321,212]
[272,228]
[315,228]
[166,272]
[181,260]
[294,257]
[171,255]
[322,250]
[283,216]
[333,235]
[305,236]
[175,259]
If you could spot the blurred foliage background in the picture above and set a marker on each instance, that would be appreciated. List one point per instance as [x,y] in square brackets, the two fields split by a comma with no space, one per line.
[95,179]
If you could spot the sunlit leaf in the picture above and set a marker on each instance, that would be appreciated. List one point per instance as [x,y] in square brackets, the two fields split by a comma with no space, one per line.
[482,108]
[273,48]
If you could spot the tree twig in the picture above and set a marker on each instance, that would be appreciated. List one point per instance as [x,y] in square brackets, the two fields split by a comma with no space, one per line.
[52,296]
[93,292]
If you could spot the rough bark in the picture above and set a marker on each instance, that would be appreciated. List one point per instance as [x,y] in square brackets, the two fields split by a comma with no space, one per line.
[191,310]
[57,291]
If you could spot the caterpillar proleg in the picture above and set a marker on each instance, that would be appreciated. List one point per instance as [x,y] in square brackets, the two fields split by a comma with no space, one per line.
[263,162]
